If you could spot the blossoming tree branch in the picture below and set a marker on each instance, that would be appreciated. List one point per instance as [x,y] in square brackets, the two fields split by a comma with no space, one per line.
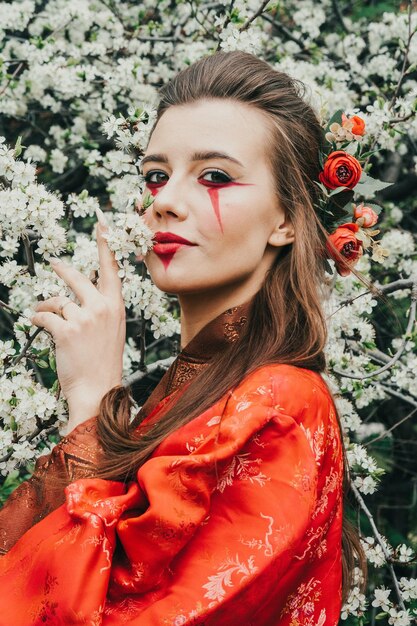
[78,87]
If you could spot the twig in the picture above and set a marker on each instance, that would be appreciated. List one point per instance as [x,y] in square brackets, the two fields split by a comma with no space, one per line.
[405,118]
[3,305]
[30,259]
[407,51]
[397,394]
[32,436]
[400,80]
[378,537]
[386,433]
[149,38]
[17,70]
[26,347]
[339,16]
[138,375]
[396,285]
[397,355]
[285,31]
[254,16]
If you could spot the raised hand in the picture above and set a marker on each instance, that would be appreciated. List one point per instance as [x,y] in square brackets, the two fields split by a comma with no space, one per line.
[89,337]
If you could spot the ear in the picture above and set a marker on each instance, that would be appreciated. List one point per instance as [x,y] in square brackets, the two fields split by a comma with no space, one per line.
[282,234]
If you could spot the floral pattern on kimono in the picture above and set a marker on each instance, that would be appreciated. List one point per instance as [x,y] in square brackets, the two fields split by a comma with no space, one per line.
[235,519]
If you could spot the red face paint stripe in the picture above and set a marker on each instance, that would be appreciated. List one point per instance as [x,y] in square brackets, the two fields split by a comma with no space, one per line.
[213,191]
[214,197]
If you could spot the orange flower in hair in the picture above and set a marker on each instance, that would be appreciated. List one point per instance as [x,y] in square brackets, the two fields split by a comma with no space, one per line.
[347,245]
[364,215]
[340,170]
[358,124]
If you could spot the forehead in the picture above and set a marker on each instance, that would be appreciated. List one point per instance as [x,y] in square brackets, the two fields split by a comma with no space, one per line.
[235,127]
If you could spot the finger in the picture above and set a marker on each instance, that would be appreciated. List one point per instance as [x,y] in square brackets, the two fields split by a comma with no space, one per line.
[53,305]
[79,284]
[110,282]
[51,322]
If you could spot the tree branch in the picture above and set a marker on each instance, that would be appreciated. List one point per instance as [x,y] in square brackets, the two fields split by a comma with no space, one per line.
[286,32]
[254,16]
[379,539]
[136,376]
[339,16]
[407,51]
[397,394]
[398,354]
[26,347]
[393,427]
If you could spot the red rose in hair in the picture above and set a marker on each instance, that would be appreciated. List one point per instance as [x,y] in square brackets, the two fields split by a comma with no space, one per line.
[345,242]
[340,170]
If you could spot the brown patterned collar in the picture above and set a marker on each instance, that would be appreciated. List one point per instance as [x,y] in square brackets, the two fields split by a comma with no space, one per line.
[210,341]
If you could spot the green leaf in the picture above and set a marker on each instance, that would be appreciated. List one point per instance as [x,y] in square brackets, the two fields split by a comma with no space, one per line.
[18,147]
[338,190]
[52,362]
[42,364]
[368,186]
[336,118]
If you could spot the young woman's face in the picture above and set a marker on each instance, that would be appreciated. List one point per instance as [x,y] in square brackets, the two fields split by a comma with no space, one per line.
[215,214]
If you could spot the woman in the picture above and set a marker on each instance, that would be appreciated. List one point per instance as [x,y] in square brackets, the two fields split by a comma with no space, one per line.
[222,503]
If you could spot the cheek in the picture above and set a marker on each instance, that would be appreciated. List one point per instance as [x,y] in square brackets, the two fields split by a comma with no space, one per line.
[213,192]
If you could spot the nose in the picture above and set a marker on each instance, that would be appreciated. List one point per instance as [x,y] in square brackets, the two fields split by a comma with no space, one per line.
[170,201]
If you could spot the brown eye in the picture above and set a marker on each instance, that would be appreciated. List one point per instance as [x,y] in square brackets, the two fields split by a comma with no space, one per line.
[155,178]
[216,177]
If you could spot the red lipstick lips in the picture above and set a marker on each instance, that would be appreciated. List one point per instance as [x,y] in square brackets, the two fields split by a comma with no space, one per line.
[167,244]
[171,238]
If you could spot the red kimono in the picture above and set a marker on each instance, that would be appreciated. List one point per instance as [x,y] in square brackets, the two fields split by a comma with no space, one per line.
[234,520]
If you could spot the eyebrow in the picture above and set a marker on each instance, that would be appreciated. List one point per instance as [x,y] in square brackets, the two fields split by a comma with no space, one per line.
[196,156]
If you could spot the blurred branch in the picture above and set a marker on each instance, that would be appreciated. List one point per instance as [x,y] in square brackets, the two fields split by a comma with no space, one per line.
[30,259]
[397,394]
[286,32]
[381,542]
[407,51]
[17,70]
[398,354]
[339,16]
[396,285]
[3,305]
[136,376]
[254,16]
[393,427]
[26,347]
[45,429]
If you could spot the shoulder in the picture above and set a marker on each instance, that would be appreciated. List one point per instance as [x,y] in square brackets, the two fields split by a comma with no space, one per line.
[295,390]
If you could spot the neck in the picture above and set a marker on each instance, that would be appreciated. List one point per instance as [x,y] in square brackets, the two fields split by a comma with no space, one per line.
[198,309]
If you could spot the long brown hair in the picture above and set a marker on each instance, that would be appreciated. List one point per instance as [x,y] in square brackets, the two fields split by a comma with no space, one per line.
[285,322]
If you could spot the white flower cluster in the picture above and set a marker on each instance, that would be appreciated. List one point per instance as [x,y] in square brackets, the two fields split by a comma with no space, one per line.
[27,207]
[374,551]
[356,603]
[82,92]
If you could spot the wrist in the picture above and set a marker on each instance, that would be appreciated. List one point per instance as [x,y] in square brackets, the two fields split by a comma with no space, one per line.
[84,404]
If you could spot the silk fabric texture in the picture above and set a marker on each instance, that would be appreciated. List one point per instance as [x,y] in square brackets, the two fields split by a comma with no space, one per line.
[235,519]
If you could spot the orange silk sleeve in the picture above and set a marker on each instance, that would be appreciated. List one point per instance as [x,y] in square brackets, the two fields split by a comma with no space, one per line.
[234,520]
[72,458]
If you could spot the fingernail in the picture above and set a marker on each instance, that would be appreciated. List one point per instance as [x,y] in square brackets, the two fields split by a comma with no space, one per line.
[55,261]
[101,218]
